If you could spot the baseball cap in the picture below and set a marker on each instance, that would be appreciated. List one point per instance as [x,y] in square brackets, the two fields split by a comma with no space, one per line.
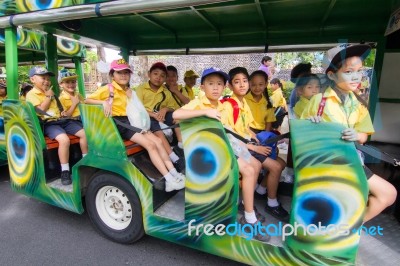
[191,73]
[38,70]
[158,65]
[120,64]
[214,70]
[339,53]
[65,75]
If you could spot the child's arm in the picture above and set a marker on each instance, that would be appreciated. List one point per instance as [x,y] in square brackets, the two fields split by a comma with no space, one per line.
[175,90]
[106,105]
[75,101]
[186,114]
[350,134]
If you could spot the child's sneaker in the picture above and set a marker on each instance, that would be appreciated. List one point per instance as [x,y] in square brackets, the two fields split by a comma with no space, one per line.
[258,215]
[66,178]
[174,184]
[180,176]
[257,236]
[180,165]
[278,212]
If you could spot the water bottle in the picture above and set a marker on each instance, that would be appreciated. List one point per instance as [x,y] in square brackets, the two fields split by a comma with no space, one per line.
[239,148]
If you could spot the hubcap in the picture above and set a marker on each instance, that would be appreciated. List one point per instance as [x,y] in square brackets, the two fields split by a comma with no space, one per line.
[114,207]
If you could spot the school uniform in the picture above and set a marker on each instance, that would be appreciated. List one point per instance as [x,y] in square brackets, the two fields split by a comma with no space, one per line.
[202,103]
[189,92]
[118,108]
[279,103]
[1,101]
[300,105]
[65,99]
[351,113]
[153,101]
[177,102]
[261,114]
[53,125]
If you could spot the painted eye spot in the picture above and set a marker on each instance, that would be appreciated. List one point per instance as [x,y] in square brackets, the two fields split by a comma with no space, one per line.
[19,146]
[202,162]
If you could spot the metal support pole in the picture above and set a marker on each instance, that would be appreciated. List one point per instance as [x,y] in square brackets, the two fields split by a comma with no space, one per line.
[79,72]
[51,59]
[11,63]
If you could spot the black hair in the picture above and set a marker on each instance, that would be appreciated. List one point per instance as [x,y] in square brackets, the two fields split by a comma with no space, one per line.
[25,88]
[299,69]
[276,81]
[266,58]
[172,68]
[237,70]
[265,93]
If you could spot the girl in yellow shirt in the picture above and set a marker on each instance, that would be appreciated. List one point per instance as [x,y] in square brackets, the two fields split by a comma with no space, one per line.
[278,102]
[306,87]
[343,107]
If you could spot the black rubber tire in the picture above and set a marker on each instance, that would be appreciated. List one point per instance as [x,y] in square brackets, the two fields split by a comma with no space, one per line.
[134,231]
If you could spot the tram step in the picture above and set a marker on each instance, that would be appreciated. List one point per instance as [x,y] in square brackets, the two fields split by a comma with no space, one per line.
[174,208]
[57,185]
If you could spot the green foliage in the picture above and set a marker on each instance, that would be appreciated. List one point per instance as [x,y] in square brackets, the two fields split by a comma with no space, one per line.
[91,56]
[370,60]
[290,59]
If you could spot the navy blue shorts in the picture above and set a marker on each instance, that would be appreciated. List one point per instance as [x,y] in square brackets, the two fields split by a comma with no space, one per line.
[261,158]
[125,133]
[155,125]
[63,126]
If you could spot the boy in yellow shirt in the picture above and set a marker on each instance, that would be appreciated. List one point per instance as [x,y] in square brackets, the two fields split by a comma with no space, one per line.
[213,83]
[42,97]
[158,102]
[69,97]
[239,84]
[339,104]
[190,80]
[179,95]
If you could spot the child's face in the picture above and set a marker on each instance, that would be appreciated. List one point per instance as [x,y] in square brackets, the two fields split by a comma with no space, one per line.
[172,78]
[310,89]
[122,77]
[190,81]
[257,85]
[157,77]
[213,86]
[240,84]
[349,76]
[267,63]
[3,92]
[274,86]
[69,85]
[42,82]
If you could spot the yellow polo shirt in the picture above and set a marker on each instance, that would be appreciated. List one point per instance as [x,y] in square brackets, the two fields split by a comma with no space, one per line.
[261,114]
[277,99]
[151,98]
[65,99]
[300,105]
[177,102]
[244,120]
[189,92]
[351,114]
[36,97]
[120,98]
[201,104]
[1,107]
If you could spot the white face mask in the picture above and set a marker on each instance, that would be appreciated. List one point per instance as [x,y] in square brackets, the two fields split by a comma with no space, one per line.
[348,77]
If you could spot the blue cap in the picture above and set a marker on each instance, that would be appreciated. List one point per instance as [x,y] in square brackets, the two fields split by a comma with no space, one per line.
[38,70]
[214,70]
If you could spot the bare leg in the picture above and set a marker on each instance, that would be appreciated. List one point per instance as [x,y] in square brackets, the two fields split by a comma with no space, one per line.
[151,148]
[164,140]
[161,150]
[273,176]
[63,148]
[249,173]
[82,141]
[383,194]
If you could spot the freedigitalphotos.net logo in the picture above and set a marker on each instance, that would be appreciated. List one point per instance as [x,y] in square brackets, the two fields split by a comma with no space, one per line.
[283,230]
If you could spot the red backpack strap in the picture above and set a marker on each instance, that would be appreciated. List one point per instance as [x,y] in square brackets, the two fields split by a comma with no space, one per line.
[111,97]
[321,106]
[235,107]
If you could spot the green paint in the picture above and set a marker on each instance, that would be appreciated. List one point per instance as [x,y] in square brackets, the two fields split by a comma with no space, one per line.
[12,63]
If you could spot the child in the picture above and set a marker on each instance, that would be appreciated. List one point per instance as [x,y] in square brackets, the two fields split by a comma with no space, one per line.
[260,105]
[159,104]
[180,96]
[306,86]
[238,83]
[25,88]
[266,63]
[120,74]
[213,83]
[3,96]
[42,97]
[342,106]
[278,102]
[190,80]
[69,98]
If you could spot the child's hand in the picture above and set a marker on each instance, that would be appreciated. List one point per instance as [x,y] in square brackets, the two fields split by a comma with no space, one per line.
[264,150]
[161,114]
[75,100]
[315,119]
[107,108]
[213,113]
[129,93]
[350,134]
[173,88]
[49,92]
